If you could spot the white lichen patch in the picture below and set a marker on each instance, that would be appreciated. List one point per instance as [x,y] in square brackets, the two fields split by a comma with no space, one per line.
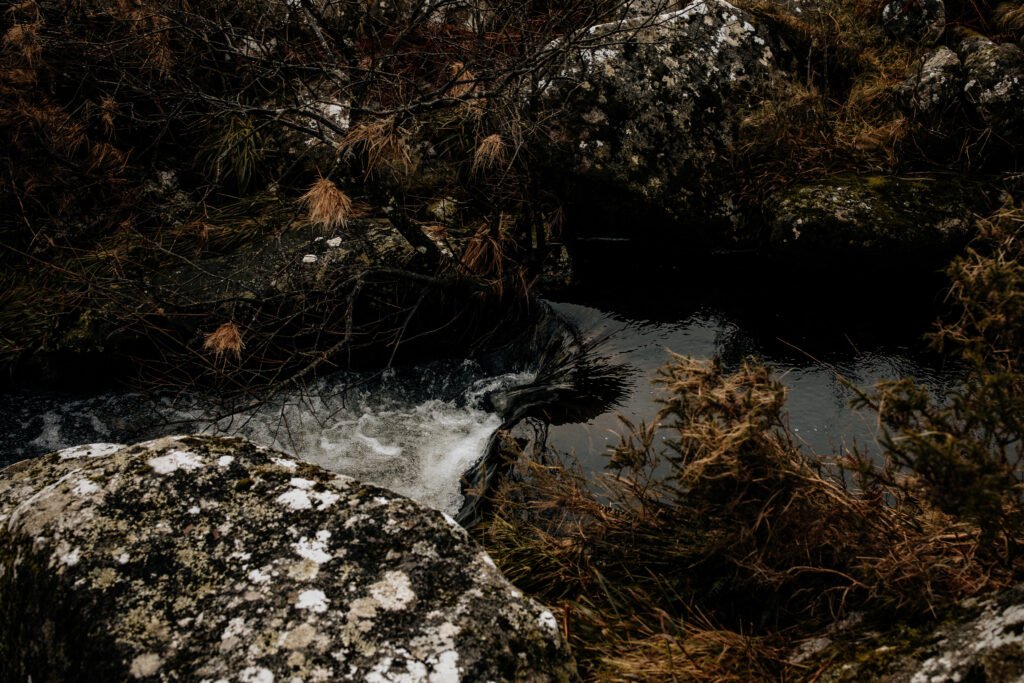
[309,258]
[1002,629]
[394,591]
[225,460]
[334,242]
[315,549]
[66,555]
[258,576]
[296,499]
[256,674]
[285,463]
[145,665]
[92,450]
[300,483]
[324,499]
[86,487]
[175,460]
[313,600]
[546,620]
[446,669]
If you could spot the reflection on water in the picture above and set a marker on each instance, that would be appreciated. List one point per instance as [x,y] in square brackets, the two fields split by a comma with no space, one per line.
[818,401]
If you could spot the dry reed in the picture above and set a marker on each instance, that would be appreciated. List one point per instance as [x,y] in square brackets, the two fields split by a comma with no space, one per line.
[328,206]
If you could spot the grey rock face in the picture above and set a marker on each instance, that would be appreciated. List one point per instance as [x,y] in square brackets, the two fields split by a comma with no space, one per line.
[987,644]
[857,214]
[995,85]
[653,105]
[937,86]
[209,559]
[915,21]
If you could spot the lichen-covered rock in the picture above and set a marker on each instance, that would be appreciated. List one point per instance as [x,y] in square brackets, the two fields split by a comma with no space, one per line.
[936,87]
[995,86]
[887,216]
[652,106]
[982,642]
[209,559]
[987,647]
[915,21]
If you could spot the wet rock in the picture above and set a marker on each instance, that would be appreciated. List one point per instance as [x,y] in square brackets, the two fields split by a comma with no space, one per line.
[652,107]
[914,21]
[995,85]
[885,215]
[201,558]
[936,87]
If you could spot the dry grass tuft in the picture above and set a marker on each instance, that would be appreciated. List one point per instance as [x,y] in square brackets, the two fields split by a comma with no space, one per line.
[384,144]
[328,206]
[491,152]
[464,80]
[224,341]
[25,39]
[709,559]
[1009,16]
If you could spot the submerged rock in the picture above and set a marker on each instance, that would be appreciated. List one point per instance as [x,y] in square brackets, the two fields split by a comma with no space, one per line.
[202,558]
[885,215]
[652,106]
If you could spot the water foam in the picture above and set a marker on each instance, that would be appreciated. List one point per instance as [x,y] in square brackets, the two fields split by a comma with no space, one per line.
[416,432]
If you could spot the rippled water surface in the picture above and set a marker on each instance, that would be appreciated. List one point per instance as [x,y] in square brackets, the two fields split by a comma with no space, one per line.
[415,430]
[418,430]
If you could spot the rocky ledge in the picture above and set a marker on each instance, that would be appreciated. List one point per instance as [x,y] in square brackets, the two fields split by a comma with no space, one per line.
[211,559]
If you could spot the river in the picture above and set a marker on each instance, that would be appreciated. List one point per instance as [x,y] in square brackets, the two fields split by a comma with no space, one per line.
[417,430]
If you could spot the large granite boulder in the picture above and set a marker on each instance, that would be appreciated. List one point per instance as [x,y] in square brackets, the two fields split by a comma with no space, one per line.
[883,216]
[210,559]
[921,21]
[981,641]
[652,107]
[935,88]
[995,86]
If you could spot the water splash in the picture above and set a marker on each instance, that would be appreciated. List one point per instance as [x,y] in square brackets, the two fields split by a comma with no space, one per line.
[415,431]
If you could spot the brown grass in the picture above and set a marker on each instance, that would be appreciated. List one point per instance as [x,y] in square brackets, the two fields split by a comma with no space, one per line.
[1009,16]
[384,144]
[328,206]
[25,39]
[226,340]
[711,559]
[490,153]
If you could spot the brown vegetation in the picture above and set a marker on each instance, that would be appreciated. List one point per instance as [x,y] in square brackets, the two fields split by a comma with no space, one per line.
[713,557]
[328,205]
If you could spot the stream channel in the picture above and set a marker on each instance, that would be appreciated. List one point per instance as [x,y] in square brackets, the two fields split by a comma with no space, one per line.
[418,430]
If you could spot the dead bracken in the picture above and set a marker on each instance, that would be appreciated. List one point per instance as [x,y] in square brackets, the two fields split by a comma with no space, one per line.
[226,340]
[328,206]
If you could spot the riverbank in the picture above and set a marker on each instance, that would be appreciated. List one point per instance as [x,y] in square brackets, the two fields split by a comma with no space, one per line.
[243,201]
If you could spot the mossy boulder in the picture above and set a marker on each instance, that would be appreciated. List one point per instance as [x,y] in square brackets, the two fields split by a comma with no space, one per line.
[883,216]
[982,640]
[201,558]
[648,110]
[995,87]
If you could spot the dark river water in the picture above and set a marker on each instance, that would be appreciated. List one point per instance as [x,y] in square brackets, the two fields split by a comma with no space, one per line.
[418,429]
[814,330]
